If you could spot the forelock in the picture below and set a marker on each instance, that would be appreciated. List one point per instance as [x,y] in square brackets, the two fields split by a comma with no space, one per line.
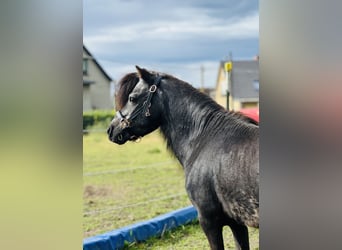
[126,86]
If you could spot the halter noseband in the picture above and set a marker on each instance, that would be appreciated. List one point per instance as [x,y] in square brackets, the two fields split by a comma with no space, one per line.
[145,108]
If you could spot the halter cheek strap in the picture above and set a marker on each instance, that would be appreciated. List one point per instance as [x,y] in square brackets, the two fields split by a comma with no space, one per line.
[145,108]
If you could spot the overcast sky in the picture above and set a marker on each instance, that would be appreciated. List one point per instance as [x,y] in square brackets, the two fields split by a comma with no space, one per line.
[172,36]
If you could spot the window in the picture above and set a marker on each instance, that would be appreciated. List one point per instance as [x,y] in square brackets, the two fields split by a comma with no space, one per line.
[85,66]
[256,85]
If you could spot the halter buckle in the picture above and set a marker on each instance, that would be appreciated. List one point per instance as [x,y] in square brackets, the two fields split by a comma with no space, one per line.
[153,88]
[124,123]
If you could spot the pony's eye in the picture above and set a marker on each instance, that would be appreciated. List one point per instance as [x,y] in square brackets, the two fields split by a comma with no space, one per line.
[132,99]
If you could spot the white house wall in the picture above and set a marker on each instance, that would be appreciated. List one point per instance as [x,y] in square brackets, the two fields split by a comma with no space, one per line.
[99,91]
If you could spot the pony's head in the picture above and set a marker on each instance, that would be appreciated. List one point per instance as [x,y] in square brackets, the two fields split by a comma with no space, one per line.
[138,111]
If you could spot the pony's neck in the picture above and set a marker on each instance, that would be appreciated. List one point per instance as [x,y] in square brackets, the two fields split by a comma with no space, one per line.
[186,114]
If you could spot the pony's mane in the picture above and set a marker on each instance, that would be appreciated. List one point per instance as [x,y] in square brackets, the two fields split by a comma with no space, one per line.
[207,100]
[130,80]
[245,118]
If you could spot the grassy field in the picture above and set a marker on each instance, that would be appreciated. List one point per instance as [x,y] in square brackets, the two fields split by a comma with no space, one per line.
[135,182]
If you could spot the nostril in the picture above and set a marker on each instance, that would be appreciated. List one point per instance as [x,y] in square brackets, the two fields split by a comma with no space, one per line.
[120,137]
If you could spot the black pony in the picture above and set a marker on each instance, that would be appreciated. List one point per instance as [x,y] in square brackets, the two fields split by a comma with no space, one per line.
[218,149]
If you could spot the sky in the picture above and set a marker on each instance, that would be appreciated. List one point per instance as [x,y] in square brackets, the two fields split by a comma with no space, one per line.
[177,37]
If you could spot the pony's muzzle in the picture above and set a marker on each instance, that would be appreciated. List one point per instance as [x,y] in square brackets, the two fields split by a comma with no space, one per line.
[116,133]
[119,138]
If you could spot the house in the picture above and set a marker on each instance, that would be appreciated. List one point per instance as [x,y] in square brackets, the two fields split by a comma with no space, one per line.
[97,84]
[243,78]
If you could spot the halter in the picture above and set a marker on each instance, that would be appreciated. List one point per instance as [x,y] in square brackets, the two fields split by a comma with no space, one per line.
[144,109]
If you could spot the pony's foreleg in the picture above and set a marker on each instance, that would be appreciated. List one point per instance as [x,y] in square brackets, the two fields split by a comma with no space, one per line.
[240,233]
[213,231]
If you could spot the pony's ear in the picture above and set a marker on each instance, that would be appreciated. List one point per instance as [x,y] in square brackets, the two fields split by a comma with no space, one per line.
[145,75]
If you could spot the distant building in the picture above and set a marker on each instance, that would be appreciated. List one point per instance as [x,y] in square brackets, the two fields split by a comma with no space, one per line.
[97,84]
[243,86]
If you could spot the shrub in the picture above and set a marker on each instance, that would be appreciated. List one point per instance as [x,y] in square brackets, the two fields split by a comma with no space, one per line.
[97,118]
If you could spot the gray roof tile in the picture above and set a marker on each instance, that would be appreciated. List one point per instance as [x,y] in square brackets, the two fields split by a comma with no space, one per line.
[245,79]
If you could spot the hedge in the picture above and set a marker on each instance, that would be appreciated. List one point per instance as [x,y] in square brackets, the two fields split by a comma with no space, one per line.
[96,117]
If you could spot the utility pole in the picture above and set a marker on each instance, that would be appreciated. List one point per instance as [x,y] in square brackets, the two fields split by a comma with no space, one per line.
[202,78]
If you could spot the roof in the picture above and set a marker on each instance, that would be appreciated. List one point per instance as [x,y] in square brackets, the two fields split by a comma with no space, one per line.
[245,79]
[97,64]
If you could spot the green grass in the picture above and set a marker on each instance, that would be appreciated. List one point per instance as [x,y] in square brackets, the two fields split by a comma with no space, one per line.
[135,182]
[191,237]
[129,183]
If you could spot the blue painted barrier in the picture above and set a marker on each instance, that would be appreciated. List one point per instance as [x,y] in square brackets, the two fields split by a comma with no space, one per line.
[115,239]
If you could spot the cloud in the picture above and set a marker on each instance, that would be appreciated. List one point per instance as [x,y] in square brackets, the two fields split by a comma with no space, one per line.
[170,35]
[201,39]
[181,30]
